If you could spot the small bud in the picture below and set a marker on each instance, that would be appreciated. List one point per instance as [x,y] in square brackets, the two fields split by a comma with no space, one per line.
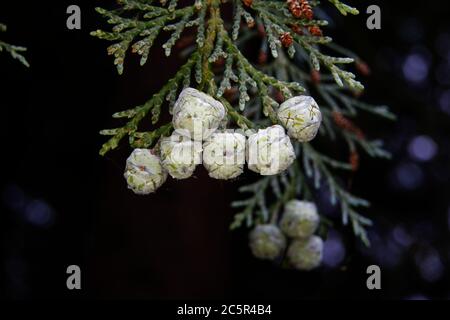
[346,124]
[315,31]
[300,9]
[286,39]
[315,76]
[354,160]
[295,8]
[279,97]
[300,219]
[231,93]
[301,116]
[144,172]
[306,254]
[357,93]
[297,29]
[267,242]
[219,62]
[262,57]
[363,68]
[261,30]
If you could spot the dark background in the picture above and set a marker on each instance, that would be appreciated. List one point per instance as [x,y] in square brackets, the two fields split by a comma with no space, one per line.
[62,204]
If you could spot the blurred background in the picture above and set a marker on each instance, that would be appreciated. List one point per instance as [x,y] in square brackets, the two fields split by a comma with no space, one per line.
[63,204]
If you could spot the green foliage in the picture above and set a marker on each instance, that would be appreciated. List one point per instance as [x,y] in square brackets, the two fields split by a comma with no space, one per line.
[343,8]
[249,91]
[14,51]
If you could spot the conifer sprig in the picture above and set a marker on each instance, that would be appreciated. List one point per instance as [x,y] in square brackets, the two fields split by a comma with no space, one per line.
[252,91]
[16,52]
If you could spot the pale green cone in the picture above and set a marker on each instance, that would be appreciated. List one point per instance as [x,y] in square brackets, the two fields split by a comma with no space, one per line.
[306,254]
[300,219]
[270,151]
[267,242]
[301,117]
[196,114]
[180,155]
[144,172]
[224,155]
